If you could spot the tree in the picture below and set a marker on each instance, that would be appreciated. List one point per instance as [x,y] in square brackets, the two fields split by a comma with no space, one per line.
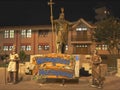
[22,55]
[108,32]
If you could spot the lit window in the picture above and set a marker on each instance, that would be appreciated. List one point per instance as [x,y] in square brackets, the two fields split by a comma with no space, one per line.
[46,47]
[23,48]
[43,47]
[6,34]
[39,47]
[10,48]
[28,48]
[11,33]
[23,33]
[102,47]
[26,33]
[82,46]
[5,48]
[66,47]
[81,29]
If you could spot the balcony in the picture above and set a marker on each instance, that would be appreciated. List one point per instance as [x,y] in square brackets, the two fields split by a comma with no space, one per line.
[80,39]
[76,40]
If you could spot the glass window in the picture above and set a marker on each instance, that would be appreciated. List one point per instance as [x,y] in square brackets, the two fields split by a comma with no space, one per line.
[6,34]
[10,48]
[46,47]
[82,45]
[11,33]
[66,47]
[23,33]
[81,29]
[23,47]
[39,47]
[28,48]
[5,48]
[102,47]
[28,33]
[43,47]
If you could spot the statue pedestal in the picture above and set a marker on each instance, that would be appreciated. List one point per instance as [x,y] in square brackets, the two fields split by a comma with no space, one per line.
[118,68]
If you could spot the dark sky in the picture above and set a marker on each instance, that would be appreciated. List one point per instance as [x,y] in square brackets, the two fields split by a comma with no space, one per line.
[37,12]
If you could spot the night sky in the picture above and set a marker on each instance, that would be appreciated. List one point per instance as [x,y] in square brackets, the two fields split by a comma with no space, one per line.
[37,12]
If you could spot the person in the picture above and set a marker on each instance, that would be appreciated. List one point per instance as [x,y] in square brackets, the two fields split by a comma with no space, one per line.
[61,29]
[13,67]
[96,70]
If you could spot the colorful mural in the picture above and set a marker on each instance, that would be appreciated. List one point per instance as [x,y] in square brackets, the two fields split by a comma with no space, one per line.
[54,66]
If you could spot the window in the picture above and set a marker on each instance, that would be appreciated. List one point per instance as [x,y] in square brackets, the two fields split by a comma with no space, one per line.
[46,47]
[6,34]
[26,47]
[39,47]
[81,49]
[23,47]
[43,47]
[81,29]
[10,48]
[101,47]
[82,46]
[7,47]
[9,34]
[26,33]
[23,33]
[29,33]
[66,47]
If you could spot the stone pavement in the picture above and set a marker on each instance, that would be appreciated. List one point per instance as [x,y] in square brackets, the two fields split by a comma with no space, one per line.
[112,82]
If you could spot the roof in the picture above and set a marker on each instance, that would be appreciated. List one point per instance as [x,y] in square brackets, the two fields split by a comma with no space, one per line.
[33,27]
[85,22]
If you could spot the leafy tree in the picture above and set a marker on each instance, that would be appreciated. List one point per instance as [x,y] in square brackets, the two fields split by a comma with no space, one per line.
[22,55]
[108,32]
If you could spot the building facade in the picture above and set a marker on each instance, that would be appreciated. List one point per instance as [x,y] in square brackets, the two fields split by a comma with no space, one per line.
[37,39]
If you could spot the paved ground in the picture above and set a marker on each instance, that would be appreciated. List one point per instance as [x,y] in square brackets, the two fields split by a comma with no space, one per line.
[111,83]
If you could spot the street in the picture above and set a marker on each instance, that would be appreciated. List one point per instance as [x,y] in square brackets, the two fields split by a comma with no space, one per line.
[111,83]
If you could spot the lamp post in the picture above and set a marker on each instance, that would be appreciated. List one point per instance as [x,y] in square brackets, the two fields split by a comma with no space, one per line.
[51,19]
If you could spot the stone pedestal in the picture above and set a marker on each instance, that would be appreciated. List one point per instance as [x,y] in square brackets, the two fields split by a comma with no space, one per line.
[118,68]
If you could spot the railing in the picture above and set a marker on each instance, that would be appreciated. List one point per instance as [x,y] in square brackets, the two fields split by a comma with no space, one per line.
[80,39]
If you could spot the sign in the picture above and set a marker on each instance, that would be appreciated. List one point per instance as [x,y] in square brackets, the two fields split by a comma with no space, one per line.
[54,66]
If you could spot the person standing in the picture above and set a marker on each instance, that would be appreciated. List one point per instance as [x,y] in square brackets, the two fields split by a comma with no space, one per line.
[13,67]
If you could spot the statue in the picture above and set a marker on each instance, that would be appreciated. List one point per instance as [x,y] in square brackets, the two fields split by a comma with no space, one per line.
[61,30]
[13,66]
[96,70]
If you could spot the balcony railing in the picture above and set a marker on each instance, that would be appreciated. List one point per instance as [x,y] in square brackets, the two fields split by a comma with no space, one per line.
[80,39]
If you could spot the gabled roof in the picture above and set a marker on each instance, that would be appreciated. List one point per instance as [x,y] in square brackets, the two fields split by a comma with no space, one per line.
[81,20]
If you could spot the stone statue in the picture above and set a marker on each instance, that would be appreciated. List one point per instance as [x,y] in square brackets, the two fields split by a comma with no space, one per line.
[12,66]
[96,70]
[61,30]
